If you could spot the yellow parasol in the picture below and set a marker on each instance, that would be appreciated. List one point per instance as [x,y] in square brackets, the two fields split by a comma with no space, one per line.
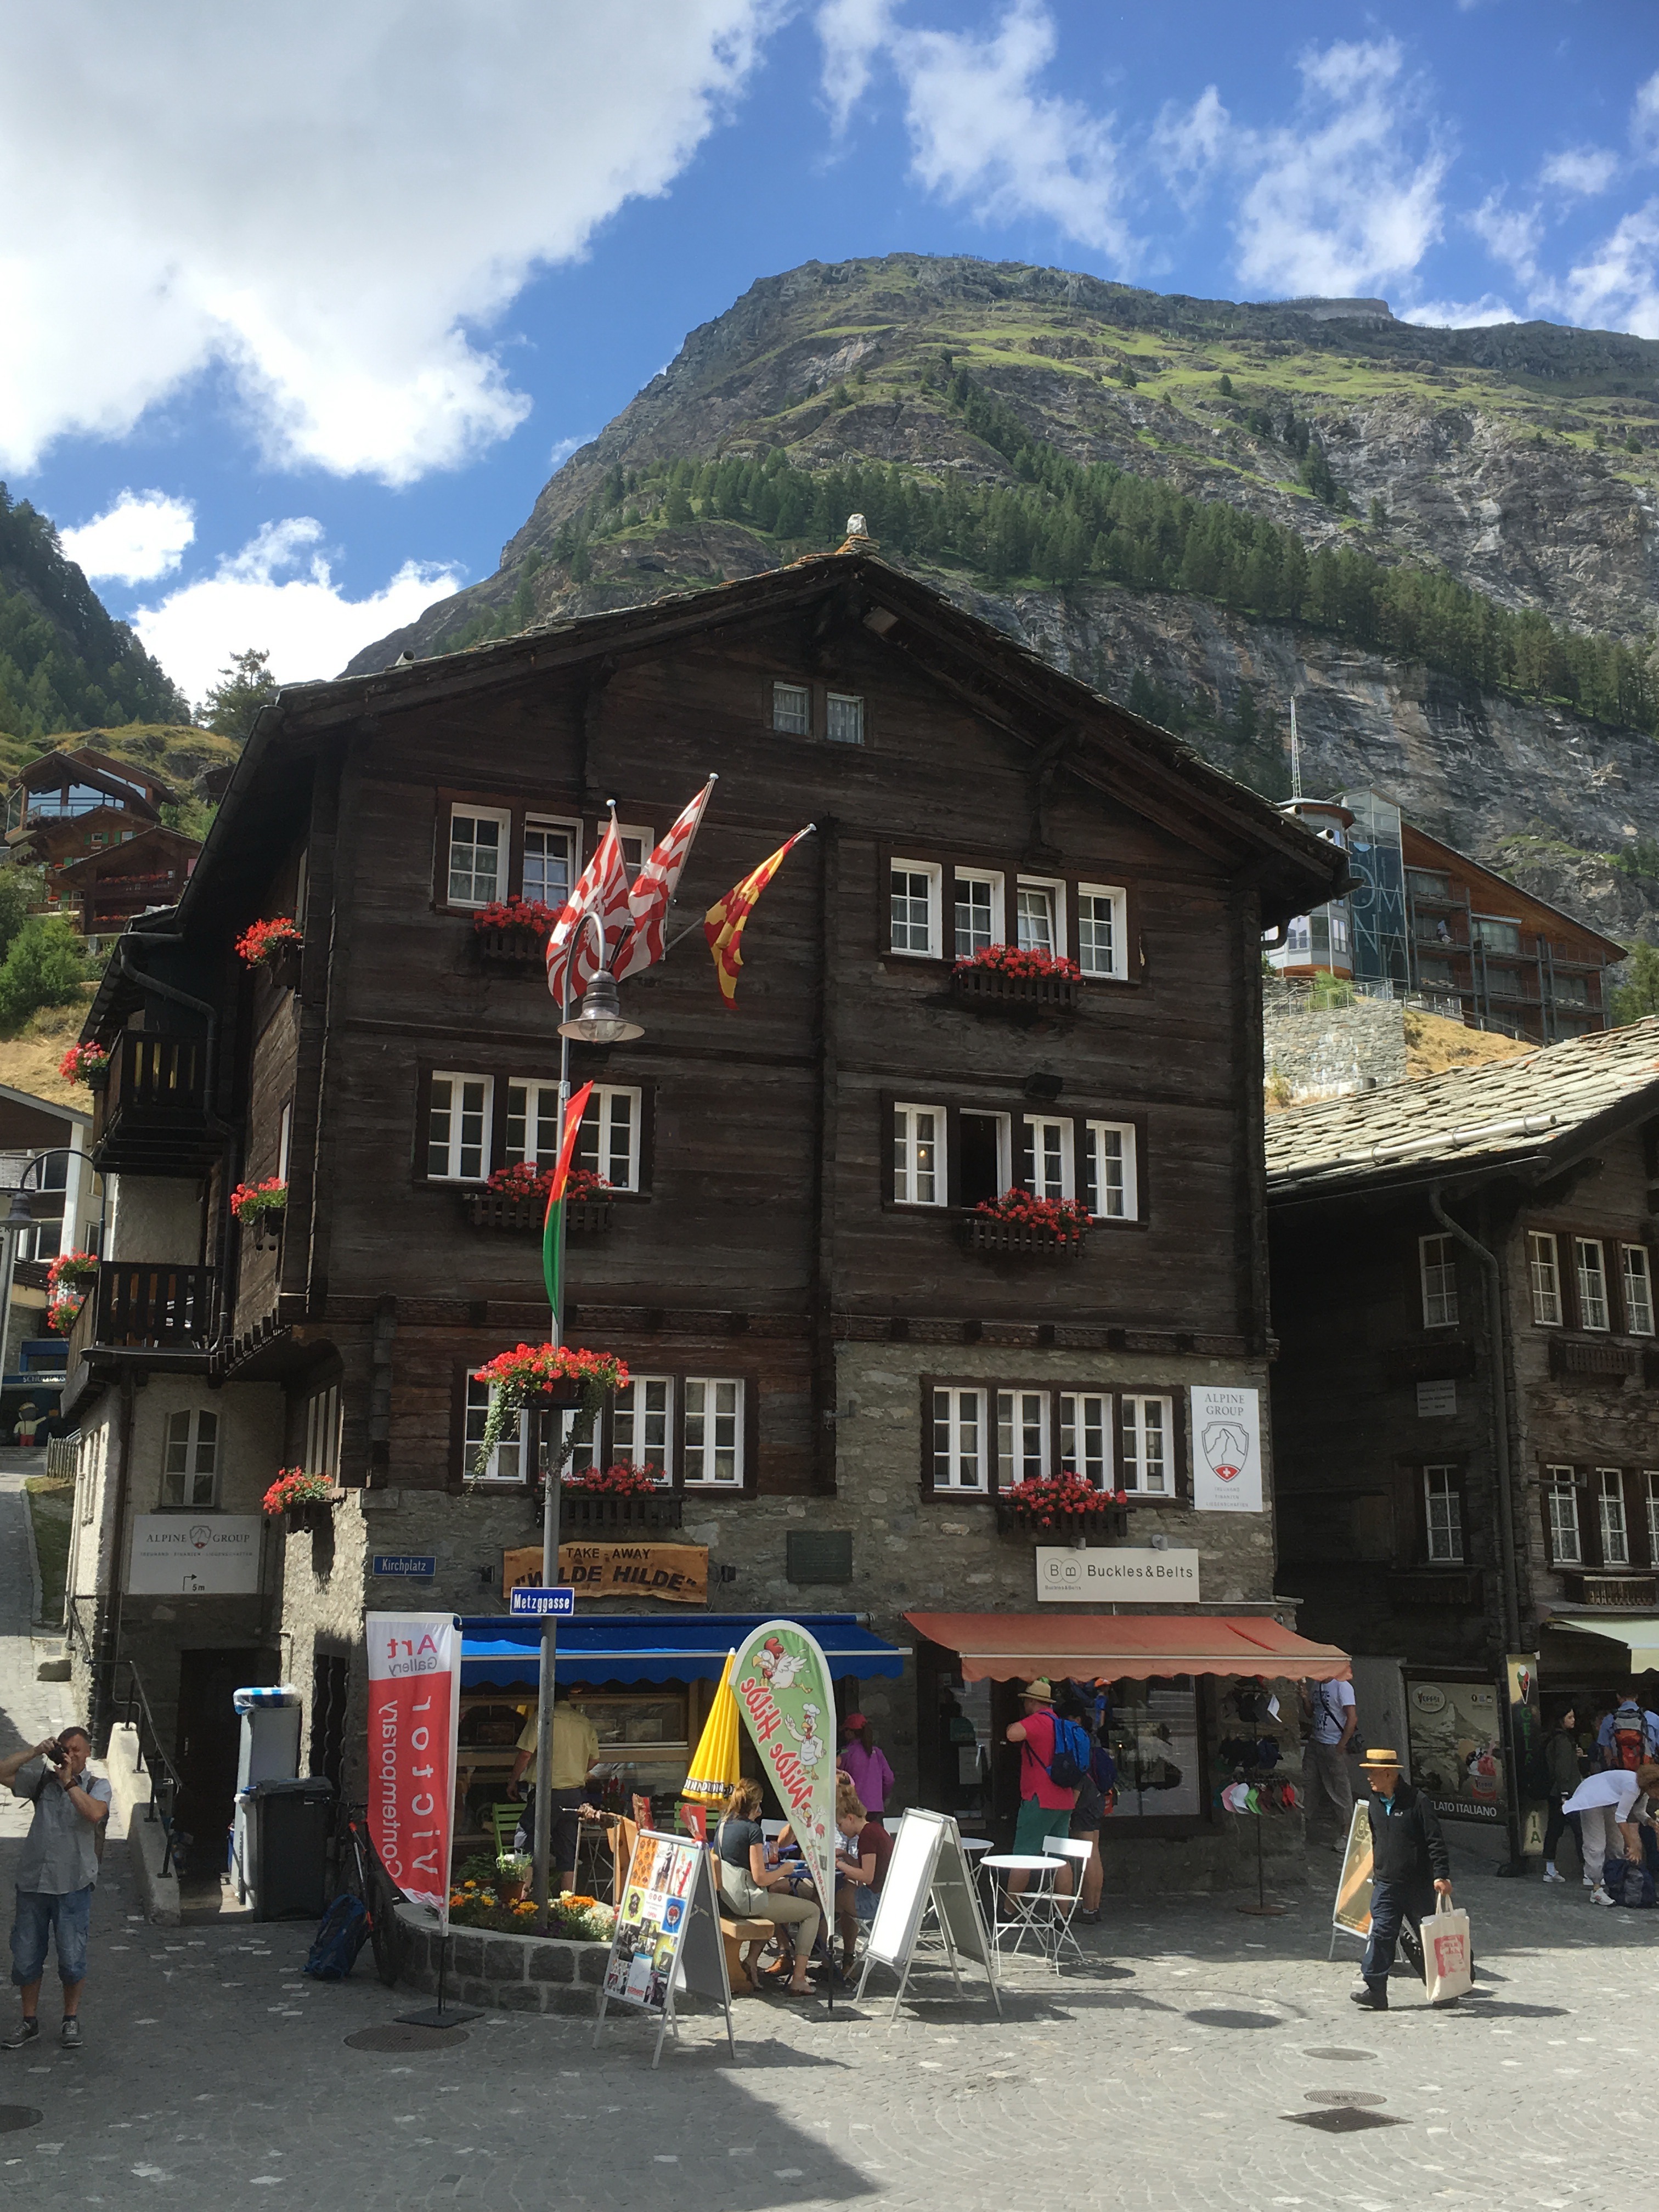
[714,1762]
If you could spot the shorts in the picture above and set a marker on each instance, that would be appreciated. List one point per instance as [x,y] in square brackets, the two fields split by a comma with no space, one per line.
[66,1920]
[1036,1823]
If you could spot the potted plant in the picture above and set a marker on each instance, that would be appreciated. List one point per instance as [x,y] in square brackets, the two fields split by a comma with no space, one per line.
[1020,1225]
[513,932]
[68,1279]
[1013,978]
[516,1198]
[307,1501]
[621,1495]
[276,946]
[1063,1504]
[512,1873]
[262,1207]
[85,1063]
[552,1375]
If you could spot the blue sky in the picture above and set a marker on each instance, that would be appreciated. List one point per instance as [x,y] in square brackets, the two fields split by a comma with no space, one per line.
[303,308]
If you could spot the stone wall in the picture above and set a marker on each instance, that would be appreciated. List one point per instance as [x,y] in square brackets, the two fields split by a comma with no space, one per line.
[1328,1052]
[511,1973]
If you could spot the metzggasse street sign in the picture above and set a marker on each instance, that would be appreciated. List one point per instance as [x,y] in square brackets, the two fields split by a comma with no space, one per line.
[532,1598]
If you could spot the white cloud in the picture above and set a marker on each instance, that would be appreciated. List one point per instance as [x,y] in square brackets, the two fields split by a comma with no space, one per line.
[563,448]
[853,33]
[1187,144]
[1645,119]
[142,537]
[1583,171]
[1339,205]
[279,595]
[1461,314]
[331,201]
[1616,286]
[1512,235]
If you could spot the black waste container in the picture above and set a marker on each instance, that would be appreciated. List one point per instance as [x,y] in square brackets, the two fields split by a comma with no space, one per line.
[289,1827]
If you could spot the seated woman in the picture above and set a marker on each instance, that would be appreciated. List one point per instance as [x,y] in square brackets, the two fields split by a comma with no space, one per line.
[863,1848]
[754,1891]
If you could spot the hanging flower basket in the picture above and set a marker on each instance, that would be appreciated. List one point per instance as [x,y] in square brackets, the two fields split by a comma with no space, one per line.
[1005,978]
[85,1063]
[68,1279]
[513,932]
[275,945]
[1061,1506]
[262,1207]
[306,1501]
[1017,1225]
[559,1374]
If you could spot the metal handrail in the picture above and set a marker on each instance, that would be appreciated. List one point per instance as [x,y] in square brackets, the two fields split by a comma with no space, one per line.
[153,1760]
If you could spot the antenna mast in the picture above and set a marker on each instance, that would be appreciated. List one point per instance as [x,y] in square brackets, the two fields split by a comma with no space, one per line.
[1296,754]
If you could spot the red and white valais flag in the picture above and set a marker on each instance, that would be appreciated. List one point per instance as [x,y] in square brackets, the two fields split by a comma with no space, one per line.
[572,946]
[654,887]
[414,1719]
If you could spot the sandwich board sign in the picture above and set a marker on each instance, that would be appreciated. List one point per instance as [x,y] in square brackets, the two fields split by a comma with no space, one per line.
[1350,1914]
[928,1868]
[667,1935]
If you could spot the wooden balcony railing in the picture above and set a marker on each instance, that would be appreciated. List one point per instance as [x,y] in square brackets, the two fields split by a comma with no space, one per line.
[154,1116]
[152,1304]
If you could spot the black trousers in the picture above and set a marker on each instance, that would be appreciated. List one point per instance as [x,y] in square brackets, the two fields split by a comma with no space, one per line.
[1558,1823]
[567,1809]
[1396,1905]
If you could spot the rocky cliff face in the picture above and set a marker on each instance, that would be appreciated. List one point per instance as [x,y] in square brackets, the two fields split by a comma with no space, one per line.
[1523,461]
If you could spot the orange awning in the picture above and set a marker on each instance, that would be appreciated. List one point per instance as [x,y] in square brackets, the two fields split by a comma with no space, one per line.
[1101,1647]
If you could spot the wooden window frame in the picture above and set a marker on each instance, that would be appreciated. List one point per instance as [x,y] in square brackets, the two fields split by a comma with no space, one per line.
[819,695]
[745,1482]
[1553,1240]
[323,1410]
[987,1436]
[501,1077]
[1609,1485]
[1626,1253]
[1456,1488]
[1605,1327]
[1423,1244]
[1068,882]
[535,817]
[834,698]
[1557,1479]
[1118,897]
[192,1416]
[1062,891]
[934,872]
[963,872]
[493,810]
[423,1127]
[1130,1130]
[1031,1120]
[1180,1492]
[1011,1118]
[940,1203]
[606,1449]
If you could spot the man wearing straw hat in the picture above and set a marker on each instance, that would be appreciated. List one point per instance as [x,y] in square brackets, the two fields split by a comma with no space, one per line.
[1409,1865]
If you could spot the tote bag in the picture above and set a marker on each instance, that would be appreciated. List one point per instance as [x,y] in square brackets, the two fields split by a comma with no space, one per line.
[1448,1957]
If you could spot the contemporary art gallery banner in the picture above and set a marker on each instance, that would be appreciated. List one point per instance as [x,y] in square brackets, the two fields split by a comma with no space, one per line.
[414,1713]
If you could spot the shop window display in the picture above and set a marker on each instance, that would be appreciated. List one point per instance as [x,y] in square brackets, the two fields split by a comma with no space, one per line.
[1154,1738]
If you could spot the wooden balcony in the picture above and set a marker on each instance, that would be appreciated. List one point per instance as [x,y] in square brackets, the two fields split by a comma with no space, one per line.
[1575,1359]
[584,1515]
[151,1306]
[1460,1587]
[1612,1588]
[152,1111]
[1016,1240]
[990,992]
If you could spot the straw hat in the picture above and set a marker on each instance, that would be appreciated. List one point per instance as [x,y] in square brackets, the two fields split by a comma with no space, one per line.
[1039,1693]
[1382,1756]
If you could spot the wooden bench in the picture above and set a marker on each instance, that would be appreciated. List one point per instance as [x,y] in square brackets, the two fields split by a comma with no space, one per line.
[734,1934]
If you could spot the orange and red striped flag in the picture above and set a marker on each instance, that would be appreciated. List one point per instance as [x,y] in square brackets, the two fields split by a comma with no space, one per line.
[572,1130]
[723,924]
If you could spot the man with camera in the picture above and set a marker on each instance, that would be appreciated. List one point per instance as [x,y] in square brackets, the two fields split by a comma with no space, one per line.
[55,1874]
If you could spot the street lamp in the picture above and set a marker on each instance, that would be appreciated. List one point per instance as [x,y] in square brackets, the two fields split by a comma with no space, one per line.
[601,1020]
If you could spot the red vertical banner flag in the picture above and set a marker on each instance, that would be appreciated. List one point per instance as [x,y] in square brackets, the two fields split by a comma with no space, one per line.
[414,1719]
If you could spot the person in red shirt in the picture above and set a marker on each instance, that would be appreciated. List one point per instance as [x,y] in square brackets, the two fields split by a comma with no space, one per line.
[1045,1809]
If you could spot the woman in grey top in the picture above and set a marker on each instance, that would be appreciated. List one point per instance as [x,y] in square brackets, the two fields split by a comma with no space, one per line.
[56,1873]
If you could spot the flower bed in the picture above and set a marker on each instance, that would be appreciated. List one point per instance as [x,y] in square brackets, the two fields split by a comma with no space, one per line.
[579,1919]
[1005,977]
[506,1972]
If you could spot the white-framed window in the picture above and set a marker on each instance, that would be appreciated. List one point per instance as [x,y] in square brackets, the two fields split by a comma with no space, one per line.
[919,1156]
[1039,914]
[1110,1189]
[1046,1162]
[608,1142]
[552,853]
[1566,1544]
[532,1124]
[714,1432]
[458,1127]
[1102,946]
[1442,1514]
[1651,1495]
[284,1140]
[507,1461]
[478,838]
[190,1460]
[1610,1510]
[1439,1271]
[1086,1436]
[979,912]
[637,844]
[1638,1291]
[581,1432]
[959,1446]
[322,1453]
[641,1423]
[1022,1436]
[1591,1263]
[792,710]
[844,718]
[1146,1431]
[914,895]
[1544,1271]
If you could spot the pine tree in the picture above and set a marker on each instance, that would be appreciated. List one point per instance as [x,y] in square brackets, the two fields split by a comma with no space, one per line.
[232,703]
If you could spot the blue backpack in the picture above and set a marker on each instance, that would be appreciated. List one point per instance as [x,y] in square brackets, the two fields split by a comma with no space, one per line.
[343,1934]
[1071,1761]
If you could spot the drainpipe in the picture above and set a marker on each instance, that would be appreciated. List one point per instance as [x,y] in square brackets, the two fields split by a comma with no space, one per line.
[1509,1592]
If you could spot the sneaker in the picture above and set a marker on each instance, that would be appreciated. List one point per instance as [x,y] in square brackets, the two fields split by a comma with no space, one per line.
[69,2035]
[1550,1874]
[1588,1883]
[1371,2000]
[1599,1896]
[27,2031]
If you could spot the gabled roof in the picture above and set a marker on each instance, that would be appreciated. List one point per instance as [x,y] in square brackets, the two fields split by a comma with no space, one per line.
[151,846]
[80,764]
[1524,1117]
[1464,862]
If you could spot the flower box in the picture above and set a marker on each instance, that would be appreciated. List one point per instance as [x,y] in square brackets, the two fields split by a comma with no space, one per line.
[1108,1523]
[994,989]
[268,1231]
[1016,1240]
[311,1515]
[586,1512]
[513,947]
[283,965]
[498,1209]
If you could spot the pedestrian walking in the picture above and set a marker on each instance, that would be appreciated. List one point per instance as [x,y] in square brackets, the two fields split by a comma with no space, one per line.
[55,1874]
[1563,1772]
[1325,1777]
[864,1764]
[1607,1806]
[1409,1870]
[1045,1805]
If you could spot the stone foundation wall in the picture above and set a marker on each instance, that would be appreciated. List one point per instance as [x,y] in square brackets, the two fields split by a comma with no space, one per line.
[506,1973]
[1328,1053]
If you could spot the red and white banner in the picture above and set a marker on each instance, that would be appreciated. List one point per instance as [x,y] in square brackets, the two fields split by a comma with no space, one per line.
[414,1716]
[654,888]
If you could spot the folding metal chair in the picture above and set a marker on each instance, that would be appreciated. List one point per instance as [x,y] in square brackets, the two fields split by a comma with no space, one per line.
[1078,1854]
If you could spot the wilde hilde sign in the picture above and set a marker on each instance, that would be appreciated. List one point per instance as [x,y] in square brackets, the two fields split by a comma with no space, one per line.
[1125,1573]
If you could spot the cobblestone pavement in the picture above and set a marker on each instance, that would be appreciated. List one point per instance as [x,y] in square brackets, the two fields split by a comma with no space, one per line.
[1176,2069]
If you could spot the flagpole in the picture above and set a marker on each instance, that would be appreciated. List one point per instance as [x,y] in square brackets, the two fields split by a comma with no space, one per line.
[547,1426]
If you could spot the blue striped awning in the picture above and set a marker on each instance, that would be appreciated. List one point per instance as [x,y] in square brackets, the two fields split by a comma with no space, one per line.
[500,1653]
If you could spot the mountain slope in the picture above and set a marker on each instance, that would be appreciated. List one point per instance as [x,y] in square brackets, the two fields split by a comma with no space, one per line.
[1444,542]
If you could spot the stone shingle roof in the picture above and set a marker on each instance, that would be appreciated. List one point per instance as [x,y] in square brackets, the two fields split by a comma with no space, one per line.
[1468,1116]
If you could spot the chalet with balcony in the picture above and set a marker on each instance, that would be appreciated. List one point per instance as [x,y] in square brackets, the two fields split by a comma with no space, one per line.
[94,824]
[842,1372]
[1466,1408]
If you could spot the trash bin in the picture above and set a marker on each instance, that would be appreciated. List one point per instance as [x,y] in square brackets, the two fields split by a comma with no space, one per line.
[287,1825]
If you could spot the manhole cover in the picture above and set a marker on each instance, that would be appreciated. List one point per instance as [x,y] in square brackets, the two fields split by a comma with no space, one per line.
[1334,2051]
[1342,2120]
[396,2037]
[1235,2019]
[1343,2097]
[13,2116]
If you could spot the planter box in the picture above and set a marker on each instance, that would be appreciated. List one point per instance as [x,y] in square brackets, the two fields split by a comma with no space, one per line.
[584,1511]
[308,1517]
[284,967]
[1111,1522]
[1572,1359]
[993,992]
[267,1230]
[1014,1240]
[1460,1587]
[500,1209]
[516,951]
[1612,1589]
[508,1973]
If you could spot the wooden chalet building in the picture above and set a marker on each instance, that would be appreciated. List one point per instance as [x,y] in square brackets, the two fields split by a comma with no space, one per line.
[841,1369]
[94,823]
[1466,1398]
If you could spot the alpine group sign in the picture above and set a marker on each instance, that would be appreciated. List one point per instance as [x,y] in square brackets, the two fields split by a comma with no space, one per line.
[414,1716]
[194,1554]
[1226,1451]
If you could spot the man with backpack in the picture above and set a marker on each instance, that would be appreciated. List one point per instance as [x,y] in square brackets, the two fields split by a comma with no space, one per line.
[55,1874]
[1054,1758]
[1609,1806]
[1330,1710]
[1628,1737]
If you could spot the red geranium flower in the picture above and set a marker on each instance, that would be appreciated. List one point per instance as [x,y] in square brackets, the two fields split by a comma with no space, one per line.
[262,942]
[1016,960]
[515,913]
[1066,1216]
